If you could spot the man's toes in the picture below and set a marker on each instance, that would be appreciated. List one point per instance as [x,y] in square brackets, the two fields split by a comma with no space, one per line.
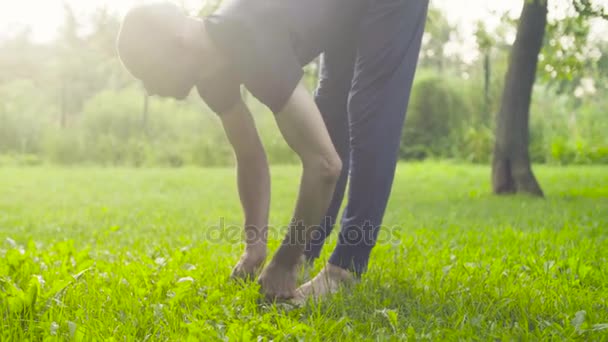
[247,269]
[239,274]
[273,293]
[279,295]
[300,298]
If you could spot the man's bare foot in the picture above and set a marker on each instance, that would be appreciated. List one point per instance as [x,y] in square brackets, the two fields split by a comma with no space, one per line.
[327,282]
[306,270]
[250,265]
[278,281]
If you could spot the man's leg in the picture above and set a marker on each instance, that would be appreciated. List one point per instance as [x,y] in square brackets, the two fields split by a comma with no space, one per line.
[388,47]
[335,80]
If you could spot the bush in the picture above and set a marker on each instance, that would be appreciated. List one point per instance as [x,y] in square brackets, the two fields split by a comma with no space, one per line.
[23,116]
[137,153]
[478,144]
[20,160]
[210,152]
[446,119]
[170,155]
[599,155]
[436,115]
[29,160]
[63,147]
[174,134]
[564,131]
[276,148]
[113,114]
[106,150]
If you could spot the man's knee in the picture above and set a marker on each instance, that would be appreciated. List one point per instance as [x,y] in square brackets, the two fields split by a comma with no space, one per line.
[327,168]
[331,169]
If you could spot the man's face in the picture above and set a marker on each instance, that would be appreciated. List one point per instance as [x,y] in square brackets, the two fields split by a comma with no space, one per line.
[175,80]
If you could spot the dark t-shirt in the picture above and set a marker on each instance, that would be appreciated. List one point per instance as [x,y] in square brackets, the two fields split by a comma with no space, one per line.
[267,43]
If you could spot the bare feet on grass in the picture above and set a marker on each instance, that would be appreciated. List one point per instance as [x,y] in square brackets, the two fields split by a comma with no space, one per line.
[306,270]
[279,280]
[326,283]
[250,265]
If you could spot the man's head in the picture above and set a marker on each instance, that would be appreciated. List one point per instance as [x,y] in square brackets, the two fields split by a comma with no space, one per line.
[154,44]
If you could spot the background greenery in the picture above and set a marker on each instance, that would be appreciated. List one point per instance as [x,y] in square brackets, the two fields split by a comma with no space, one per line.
[70,102]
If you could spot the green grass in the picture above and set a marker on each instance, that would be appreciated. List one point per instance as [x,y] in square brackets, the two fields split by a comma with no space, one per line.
[121,254]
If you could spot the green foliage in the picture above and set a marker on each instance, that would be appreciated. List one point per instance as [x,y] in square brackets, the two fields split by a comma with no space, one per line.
[121,254]
[276,148]
[438,33]
[565,54]
[435,118]
[477,144]
[70,102]
[589,8]
[445,120]
[567,132]
[63,147]
[23,117]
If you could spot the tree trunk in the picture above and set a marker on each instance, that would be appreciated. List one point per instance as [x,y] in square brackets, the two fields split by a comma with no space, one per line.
[487,117]
[511,169]
[144,114]
[63,119]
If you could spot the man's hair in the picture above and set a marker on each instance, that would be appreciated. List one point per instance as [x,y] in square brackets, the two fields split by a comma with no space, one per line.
[147,35]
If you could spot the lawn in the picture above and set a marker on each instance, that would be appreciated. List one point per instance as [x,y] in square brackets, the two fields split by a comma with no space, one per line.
[126,254]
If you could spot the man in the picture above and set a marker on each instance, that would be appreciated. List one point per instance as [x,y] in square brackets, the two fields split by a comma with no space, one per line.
[370,50]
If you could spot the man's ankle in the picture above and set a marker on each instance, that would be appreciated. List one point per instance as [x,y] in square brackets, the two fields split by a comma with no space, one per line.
[289,256]
[256,251]
[339,273]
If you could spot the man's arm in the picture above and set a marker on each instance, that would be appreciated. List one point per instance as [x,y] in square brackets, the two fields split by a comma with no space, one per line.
[253,183]
[304,130]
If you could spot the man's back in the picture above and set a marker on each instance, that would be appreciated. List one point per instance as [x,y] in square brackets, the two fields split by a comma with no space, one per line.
[312,25]
[267,42]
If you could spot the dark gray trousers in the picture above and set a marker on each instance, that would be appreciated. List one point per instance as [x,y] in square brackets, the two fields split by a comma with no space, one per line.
[364,90]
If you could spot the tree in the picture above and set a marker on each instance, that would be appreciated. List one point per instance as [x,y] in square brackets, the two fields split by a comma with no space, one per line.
[587,9]
[22,58]
[511,169]
[85,63]
[485,43]
[438,34]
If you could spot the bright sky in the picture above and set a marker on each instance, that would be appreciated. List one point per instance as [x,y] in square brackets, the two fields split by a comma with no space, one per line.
[45,16]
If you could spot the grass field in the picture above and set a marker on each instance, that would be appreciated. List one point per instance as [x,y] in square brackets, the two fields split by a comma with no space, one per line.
[121,254]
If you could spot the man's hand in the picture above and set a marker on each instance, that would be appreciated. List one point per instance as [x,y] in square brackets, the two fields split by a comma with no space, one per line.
[254,186]
[304,130]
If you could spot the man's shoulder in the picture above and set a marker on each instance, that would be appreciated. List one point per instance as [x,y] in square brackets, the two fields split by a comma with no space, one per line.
[220,91]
